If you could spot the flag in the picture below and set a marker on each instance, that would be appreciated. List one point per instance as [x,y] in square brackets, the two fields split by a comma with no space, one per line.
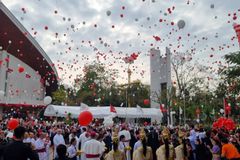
[162,109]
[121,104]
[180,111]
[112,109]
[236,27]
[139,109]
[213,111]
[227,106]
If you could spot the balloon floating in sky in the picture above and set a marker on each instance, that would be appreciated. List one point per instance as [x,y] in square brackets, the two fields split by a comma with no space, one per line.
[181,24]
[146,102]
[20,69]
[212,6]
[108,13]
[85,118]
[47,100]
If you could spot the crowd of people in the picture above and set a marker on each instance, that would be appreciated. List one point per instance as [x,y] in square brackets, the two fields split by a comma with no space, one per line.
[52,140]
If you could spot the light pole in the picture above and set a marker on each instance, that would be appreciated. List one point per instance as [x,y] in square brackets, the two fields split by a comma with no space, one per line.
[129,82]
[129,60]
[184,109]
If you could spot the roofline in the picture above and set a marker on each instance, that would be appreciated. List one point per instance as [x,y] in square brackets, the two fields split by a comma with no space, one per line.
[28,35]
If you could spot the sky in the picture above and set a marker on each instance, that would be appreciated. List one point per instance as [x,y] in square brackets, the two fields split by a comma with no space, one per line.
[75,33]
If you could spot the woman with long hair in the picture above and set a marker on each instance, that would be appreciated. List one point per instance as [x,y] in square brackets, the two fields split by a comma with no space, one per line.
[165,151]
[144,152]
[115,153]
[181,149]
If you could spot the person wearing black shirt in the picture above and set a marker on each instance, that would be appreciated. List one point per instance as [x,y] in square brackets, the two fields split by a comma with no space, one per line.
[17,150]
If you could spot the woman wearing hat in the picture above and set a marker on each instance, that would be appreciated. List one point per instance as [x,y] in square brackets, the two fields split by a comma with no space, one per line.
[144,152]
[165,151]
[115,153]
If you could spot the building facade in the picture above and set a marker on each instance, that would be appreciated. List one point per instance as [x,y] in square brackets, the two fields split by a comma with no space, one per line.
[27,74]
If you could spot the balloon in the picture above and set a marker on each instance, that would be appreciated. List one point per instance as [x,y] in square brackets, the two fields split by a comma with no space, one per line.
[85,118]
[212,6]
[47,100]
[228,108]
[13,123]
[1,94]
[181,24]
[146,102]
[221,110]
[20,69]
[223,122]
[108,13]
[108,122]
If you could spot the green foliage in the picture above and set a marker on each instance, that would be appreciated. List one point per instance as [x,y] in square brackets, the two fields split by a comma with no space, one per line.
[97,86]
[59,95]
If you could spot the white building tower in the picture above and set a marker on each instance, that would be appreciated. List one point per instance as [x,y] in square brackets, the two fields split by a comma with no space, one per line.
[160,72]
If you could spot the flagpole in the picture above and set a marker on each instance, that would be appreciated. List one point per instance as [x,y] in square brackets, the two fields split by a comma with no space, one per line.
[224,107]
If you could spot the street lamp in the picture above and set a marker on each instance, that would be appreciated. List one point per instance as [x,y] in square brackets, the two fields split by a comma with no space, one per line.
[129,60]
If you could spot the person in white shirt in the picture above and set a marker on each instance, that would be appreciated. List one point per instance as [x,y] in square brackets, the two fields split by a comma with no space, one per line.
[48,142]
[26,138]
[41,146]
[93,149]
[57,140]
[29,139]
[127,135]
[84,137]
[72,150]
[121,145]
[74,135]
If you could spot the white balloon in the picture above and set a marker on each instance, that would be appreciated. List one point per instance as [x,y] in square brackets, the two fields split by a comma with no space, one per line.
[108,122]
[108,13]
[1,94]
[221,110]
[181,24]
[65,86]
[47,100]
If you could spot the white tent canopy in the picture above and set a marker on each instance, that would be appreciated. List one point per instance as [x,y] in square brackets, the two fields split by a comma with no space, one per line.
[104,111]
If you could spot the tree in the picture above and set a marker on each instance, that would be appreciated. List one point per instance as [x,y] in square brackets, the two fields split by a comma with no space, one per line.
[231,79]
[60,95]
[231,73]
[136,93]
[190,78]
[95,85]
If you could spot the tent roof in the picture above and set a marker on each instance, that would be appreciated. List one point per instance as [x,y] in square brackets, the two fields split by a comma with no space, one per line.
[103,111]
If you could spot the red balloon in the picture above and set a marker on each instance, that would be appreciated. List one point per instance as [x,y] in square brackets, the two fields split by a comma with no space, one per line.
[228,108]
[20,69]
[85,118]
[13,123]
[223,122]
[146,102]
